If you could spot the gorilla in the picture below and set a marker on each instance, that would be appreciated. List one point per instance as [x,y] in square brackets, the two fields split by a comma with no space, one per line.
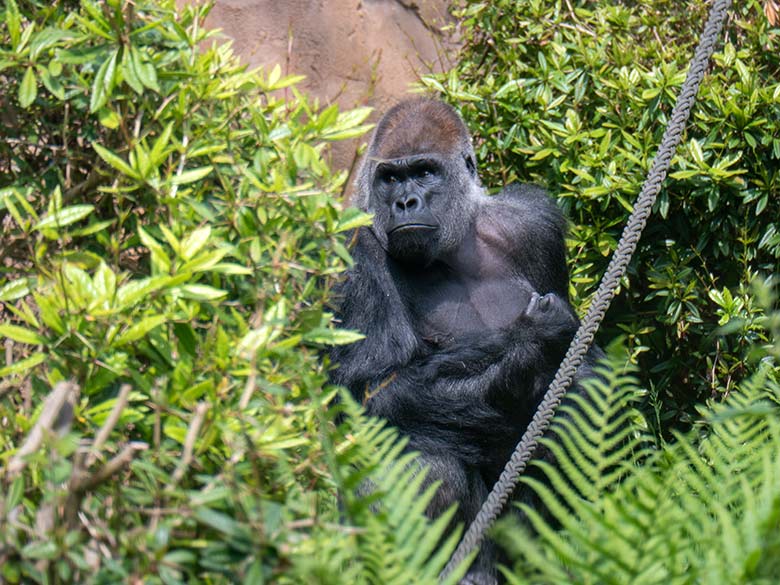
[463,301]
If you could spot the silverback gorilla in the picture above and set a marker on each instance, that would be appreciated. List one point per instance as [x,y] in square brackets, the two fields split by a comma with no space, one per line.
[463,301]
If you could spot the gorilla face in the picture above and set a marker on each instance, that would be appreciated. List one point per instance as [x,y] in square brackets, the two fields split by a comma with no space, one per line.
[413,205]
[410,202]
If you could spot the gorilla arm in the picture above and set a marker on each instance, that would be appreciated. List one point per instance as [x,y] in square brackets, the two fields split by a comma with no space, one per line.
[471,400]
[468,399]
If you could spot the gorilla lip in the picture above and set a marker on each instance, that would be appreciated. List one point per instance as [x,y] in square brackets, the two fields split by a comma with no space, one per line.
[412,226]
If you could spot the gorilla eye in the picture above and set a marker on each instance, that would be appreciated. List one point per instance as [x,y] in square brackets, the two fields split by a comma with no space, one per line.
[424,172]
[387,176]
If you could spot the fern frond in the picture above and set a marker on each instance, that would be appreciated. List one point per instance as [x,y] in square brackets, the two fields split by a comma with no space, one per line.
[704,509]
[384,498]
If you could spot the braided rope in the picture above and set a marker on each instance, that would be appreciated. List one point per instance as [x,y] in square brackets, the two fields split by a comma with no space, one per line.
[583,339]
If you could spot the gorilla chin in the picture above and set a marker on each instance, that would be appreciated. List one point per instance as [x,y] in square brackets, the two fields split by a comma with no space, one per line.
[414,244]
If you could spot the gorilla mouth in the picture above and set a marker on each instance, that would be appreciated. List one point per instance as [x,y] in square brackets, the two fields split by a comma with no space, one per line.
[412,227]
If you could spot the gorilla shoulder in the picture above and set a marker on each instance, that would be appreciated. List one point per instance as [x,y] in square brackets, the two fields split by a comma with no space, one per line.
[524,221]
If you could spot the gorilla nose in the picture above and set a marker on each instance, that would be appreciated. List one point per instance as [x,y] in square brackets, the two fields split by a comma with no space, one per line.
[407,204]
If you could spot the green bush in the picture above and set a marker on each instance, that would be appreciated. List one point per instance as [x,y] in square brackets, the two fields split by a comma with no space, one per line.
[705,509]
[168,229]
[575,96]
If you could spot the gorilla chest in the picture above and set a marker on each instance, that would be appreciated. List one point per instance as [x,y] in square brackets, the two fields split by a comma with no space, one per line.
[447,307]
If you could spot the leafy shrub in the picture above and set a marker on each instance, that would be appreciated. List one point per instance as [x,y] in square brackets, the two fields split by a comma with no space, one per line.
[575,96]
[168,229]
[704,509]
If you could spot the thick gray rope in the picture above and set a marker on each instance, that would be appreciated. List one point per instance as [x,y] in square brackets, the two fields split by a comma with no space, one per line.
[583,339]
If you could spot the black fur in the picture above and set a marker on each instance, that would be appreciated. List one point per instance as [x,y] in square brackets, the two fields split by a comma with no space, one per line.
[465,310]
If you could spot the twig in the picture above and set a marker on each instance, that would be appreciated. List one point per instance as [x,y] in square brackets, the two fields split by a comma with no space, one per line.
[116,463]
[189,441]
[184,142]
[109,424]
[54,405]
[80,482]
[251,385]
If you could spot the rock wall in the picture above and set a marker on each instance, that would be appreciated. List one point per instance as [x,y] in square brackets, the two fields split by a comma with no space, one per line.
[354,52]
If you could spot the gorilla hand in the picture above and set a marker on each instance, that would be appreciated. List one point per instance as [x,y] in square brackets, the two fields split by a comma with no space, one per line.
[550,316]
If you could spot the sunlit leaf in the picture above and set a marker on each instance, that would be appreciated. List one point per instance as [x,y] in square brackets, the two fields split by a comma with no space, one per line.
[28,89]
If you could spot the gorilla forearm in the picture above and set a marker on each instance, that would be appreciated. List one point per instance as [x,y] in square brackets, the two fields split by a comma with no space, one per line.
[466,399]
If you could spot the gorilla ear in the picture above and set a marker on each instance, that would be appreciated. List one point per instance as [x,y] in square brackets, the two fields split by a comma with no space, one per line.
[470,164]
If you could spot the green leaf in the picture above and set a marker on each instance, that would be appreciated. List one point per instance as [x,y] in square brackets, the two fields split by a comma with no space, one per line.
[22,335]
[16,289]
[191,175]
[15,493]
[143,70]
[160,147]
[115,161]
[13,20]
[103,83]
[104,281]
[326,336]
[219,522]
[159,257]
[139,330]
[194,242]
[23,366]
[204,261]
[51,83]
[28,89]
[92,228]
[40,550]
[695,149]
[352,218]
[348,133]
[109,118]
[64,217]
[348,125]
[129,294]
[128,71]
[49,313]
[202,292]
[352,118]
[228,268]
[47,38]
[275,74]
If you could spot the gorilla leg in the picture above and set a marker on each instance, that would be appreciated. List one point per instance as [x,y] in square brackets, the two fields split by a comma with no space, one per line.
[464,486]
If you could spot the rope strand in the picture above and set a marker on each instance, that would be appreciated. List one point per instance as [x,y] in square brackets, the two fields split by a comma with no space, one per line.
[583,339]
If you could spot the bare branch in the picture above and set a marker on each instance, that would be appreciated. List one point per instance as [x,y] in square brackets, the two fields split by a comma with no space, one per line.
[251,384]
[109,424]
[124,457]
[80,482]
[189,441]
[56,415]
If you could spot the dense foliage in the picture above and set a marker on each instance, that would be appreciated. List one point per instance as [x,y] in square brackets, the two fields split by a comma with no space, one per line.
[170,231]
[703,510]
[168,227]
[575,96]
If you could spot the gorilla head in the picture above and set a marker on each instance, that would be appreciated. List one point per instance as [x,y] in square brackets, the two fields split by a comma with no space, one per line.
[419,179]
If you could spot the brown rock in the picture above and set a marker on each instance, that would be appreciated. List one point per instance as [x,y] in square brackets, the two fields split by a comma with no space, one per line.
[352,52]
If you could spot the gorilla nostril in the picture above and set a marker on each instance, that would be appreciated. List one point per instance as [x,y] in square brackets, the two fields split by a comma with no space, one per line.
[406,204]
